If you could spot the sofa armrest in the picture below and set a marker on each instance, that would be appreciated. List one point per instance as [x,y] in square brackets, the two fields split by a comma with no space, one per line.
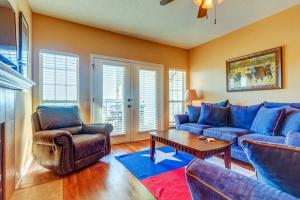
[212,182]
[181,119]
[293,139]
[102,128]
[53,149]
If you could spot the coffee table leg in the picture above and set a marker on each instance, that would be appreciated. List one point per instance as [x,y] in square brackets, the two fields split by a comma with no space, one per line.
[152,148]
[227,158]
[176,151]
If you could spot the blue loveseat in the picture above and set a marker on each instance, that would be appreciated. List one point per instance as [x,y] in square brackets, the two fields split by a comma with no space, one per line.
[266,122]
[277,169]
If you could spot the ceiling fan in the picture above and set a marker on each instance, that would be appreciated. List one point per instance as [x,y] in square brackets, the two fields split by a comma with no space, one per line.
[204,5]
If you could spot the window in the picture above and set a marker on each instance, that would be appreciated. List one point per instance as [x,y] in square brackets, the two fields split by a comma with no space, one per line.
[59,78]
[176,93]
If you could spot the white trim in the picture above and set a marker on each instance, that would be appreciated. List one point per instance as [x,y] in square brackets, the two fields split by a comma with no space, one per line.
[23,171]
[11,79]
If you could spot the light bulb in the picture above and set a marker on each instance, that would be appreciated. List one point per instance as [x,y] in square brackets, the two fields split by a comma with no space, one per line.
[208,4]
[198,2]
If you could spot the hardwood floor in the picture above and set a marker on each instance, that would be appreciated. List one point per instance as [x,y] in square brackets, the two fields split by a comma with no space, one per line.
[107,179]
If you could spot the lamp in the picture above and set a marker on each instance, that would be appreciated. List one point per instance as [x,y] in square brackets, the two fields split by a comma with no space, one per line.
[191,95]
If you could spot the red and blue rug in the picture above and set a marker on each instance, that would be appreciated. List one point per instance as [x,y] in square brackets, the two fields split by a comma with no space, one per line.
[164,177]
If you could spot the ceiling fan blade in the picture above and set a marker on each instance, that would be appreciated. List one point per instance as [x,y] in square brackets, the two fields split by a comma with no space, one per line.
[165,2]
[202,12]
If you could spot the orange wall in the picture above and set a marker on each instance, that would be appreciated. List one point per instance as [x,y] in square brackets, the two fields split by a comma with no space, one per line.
[208,61]
[55,34]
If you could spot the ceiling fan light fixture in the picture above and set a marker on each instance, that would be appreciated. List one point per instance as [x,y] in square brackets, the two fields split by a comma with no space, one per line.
[198,2]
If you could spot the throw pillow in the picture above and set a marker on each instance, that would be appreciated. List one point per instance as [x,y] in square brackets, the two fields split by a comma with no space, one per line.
[292,139]
[213,115]
[220,104]
[267,120]
[194,113]
[242,116]
[291,121]
[268,104]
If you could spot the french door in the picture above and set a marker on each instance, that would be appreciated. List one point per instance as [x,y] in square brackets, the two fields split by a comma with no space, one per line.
[129,96]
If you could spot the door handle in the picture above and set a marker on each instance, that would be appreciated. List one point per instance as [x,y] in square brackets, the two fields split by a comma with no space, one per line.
[129,106]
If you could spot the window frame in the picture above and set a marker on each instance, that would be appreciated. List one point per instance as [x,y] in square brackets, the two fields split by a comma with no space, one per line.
[62,102]
[172,124]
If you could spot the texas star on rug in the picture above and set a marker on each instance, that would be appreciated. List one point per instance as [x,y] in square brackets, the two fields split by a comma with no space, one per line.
[161,156]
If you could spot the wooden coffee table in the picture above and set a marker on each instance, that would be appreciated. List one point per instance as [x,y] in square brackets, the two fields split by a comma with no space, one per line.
[190,143]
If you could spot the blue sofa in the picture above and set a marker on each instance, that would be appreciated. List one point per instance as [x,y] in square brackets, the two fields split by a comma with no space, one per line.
[277,169]
[266,122]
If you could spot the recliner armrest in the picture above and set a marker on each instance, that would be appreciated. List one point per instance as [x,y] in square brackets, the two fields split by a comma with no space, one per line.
[97,128]
[101,128]
[181,119]
[51,137]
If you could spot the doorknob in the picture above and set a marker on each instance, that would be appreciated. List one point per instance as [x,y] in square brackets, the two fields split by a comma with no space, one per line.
[129,106]
[129,100]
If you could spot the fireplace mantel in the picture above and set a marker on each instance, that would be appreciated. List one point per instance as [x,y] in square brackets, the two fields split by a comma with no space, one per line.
[11,79]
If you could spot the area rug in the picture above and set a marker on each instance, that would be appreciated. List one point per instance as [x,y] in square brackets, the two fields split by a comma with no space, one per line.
[165,178]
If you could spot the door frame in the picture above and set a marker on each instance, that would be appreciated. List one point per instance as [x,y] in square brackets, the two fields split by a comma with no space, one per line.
[131,62]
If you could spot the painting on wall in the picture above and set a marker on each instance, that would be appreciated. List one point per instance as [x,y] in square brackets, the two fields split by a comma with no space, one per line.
[23,45]
[259,71]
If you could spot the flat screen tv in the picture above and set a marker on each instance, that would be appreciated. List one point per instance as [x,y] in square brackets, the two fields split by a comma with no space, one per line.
[8,42]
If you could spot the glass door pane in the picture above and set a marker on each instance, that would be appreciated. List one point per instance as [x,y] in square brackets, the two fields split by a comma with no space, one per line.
[113,102]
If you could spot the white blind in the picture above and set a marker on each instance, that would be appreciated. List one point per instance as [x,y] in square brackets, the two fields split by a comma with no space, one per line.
[176,93]
[113,108]
[149,106]
[59,74]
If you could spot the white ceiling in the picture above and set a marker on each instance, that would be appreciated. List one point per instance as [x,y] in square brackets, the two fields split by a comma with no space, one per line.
[174,24]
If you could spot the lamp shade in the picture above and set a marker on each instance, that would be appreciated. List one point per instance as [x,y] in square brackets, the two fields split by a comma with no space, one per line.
[190,95]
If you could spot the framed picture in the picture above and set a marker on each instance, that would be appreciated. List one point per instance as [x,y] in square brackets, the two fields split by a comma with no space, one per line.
[258,71]
[23,45]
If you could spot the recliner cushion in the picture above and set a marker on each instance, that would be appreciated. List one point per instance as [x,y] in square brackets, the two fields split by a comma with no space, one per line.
[88,144]
[55,117]
[242,116]
[194,127]
[263,138]
[229,134]
[267,120]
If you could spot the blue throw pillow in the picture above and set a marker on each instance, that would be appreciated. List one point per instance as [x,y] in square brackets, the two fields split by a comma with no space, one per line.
[291,121]
[242,116]
[292,139]
[194,113]
[213,115]
[220,104]
[267,120]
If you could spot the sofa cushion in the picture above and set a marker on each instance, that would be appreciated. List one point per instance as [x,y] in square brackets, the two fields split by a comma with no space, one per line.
[88,144]
[276,165]
[263,138]
[194,113]
[267,120]
[278,105]
[55,117]
[213,115]
[229,134]
[293,139]
[291,121]
[242,116]
[194,127]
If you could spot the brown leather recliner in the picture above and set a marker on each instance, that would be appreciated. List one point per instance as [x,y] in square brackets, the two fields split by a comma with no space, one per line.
[63,143]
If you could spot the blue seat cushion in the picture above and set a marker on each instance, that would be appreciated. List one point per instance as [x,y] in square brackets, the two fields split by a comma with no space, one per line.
[291,121]
[267,120]
[263,138]
[293,139]
[242,116]
[194,113]
[213,115]
[194,127]
[229,134]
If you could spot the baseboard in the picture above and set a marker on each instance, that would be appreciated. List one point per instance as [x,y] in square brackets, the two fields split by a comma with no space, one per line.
[23,171]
